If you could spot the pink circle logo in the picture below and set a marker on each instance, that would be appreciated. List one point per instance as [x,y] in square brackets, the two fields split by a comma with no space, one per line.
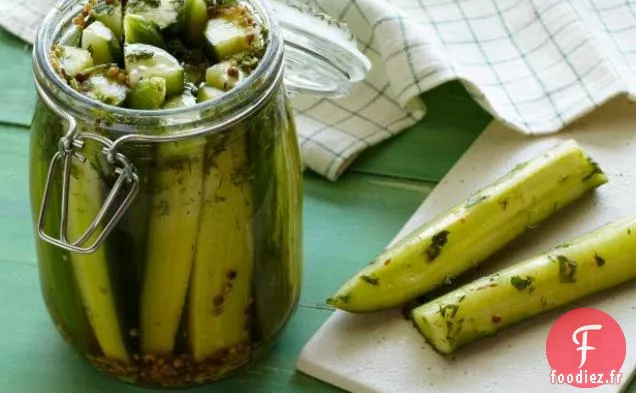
[586,348]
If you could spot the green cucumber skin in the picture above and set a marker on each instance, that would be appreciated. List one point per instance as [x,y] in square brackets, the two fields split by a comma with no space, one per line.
[112,17]
[129,239]
[139,30]
[602,259]
[93,272]
[466,235]
[145,62]
[222,277]
[103,44]
[278,186]
[194,19]
[57,278]
[148,94]
[176,203]
[163,13]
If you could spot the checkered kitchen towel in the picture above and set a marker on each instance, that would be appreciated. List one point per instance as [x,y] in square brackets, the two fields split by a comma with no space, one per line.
[534,64]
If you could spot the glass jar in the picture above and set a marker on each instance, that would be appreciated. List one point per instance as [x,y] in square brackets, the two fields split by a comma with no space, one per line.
[169,242]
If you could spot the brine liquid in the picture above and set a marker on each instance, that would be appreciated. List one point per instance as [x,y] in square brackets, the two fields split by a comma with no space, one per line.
[204,268]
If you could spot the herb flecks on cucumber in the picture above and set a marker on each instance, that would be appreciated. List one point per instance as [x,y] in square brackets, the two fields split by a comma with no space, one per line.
[529,288]
[106,83]
[202,46]
[102,43]
[469,233]
[232,31]
[69,61]
[146,61]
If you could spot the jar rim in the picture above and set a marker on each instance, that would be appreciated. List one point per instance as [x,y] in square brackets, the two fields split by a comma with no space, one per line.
[220,113]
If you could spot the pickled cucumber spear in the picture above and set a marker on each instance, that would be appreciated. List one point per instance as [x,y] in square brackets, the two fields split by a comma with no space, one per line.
[277,230]
[221,286]
[91,270]
[57,279]
[464,236]
[599,260]
[172,234]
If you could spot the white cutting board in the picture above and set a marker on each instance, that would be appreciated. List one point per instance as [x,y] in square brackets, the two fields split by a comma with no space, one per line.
[384,353]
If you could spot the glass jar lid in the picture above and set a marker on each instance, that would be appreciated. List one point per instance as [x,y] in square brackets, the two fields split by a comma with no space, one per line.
[321,54]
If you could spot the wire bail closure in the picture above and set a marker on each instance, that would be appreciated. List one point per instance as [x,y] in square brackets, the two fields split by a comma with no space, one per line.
[69,149]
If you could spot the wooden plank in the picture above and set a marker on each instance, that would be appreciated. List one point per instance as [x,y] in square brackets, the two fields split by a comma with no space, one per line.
[428,150]
[16,80]
[16,239]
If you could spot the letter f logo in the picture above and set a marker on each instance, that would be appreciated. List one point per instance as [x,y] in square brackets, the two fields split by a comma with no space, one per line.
[583,344]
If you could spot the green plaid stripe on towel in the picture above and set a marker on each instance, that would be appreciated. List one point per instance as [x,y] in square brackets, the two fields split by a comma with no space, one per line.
[536,65]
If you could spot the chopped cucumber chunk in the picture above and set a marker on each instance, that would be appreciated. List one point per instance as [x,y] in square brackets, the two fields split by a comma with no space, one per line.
[224,76]
[112,17]
[230,35]
[180,101]
[194,18]
[102,43]
[145,61]
[138,29]
[207,93]
[161,12]
[70,61]
[102,83]
[148,94]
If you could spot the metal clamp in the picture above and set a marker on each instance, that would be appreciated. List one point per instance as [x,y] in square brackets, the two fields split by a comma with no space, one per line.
[69,148]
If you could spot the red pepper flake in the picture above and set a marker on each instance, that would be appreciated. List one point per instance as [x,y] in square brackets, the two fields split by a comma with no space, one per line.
[81,77]
[218,300]
[496,318]
[233,72]
[387,262]
[250,38]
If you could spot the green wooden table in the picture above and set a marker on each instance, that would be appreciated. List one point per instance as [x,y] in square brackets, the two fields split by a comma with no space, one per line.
[346,224]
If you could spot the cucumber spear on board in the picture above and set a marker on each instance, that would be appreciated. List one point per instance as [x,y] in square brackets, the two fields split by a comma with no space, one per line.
[594,262]
[461,238]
